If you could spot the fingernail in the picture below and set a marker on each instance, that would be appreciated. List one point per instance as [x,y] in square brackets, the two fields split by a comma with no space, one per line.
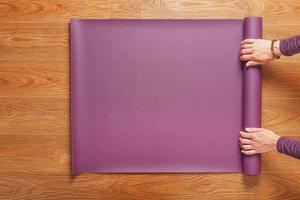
[247,129]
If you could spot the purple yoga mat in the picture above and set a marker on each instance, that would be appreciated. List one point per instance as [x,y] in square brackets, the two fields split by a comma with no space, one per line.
[162,95]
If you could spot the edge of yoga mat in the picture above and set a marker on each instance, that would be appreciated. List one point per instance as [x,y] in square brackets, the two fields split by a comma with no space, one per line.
[252,95]
[251,104]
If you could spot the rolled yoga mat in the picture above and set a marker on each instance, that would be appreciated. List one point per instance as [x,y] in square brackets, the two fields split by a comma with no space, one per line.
[154,96]
[252,94]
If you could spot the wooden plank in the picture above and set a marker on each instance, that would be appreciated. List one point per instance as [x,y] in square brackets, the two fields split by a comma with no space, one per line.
[39,115]
[186,9]
[34,34]
[281,116]
[35,153]
[28,185]
[273,12]
[276,12]
[122,9]
[278,186]
[34,41]
[282,79]
[20,11]
[124,186]
[39,53]
[279,32]
[34,78]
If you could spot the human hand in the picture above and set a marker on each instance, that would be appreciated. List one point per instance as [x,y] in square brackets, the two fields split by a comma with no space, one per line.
[258,140]
[258,51]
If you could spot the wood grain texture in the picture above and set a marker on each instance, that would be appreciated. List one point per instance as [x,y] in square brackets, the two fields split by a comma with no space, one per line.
[39,116]
[35,154]
[34,78]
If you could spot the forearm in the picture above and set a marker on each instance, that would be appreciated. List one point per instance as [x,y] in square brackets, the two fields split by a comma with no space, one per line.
[290,46]
[288,146]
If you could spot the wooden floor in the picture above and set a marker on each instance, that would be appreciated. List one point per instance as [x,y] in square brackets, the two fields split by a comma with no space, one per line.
[35,103]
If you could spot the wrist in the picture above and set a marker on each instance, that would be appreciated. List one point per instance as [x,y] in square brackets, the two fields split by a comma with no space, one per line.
[274,144]
[277,48]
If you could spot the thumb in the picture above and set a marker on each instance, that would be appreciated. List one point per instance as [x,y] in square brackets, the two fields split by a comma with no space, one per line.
[252,63]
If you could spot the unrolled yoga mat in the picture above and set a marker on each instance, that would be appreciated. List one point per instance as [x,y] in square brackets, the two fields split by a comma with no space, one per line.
[162,95]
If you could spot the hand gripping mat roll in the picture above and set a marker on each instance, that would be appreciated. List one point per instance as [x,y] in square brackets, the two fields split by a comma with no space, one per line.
[155,96]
